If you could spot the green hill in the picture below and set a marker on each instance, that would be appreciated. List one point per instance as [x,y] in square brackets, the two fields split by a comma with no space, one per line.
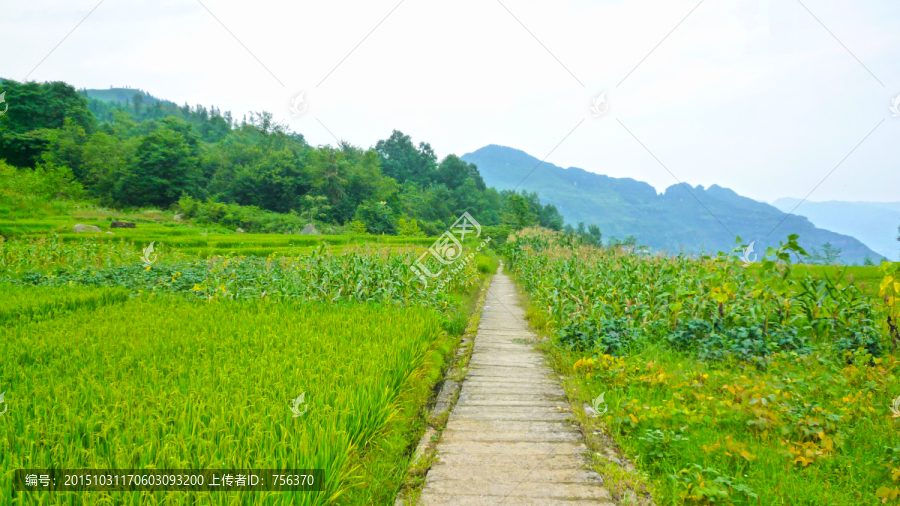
[122,95]
[672,221]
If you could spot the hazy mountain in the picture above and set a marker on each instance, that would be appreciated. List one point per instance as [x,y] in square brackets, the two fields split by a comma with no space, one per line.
[873,223]
[673,220]
[122,95]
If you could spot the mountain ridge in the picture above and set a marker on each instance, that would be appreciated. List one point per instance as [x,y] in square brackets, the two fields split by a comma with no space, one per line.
[680,218]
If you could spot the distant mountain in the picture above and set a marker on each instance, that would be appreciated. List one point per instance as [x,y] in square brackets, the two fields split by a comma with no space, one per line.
[672,221]
[873,223]
[122,95]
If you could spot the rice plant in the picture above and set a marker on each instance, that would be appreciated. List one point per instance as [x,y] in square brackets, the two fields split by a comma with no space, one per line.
[164,382]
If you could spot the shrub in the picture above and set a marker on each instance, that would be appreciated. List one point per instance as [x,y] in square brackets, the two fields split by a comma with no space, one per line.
[409,228]
[47,180]
[687,337]
[860,336]
[232,216]
[377,216]
[604,336]
[754,343]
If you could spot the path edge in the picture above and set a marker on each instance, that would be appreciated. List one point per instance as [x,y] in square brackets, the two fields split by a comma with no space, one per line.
[436,417]
[608,460]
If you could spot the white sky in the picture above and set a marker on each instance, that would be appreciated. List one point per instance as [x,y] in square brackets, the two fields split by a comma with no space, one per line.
[754,95]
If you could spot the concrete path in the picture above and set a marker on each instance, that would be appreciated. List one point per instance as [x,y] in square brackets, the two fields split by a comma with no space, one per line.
[511,438]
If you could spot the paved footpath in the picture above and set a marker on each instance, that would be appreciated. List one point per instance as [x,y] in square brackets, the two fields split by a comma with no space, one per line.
[511,438]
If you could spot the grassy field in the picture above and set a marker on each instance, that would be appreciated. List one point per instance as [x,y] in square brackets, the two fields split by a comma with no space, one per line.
[25,304]
[726,385]
[192,362]
[194,240]
[167,383]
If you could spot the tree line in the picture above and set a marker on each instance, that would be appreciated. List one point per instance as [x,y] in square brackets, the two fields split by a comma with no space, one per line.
[138,154]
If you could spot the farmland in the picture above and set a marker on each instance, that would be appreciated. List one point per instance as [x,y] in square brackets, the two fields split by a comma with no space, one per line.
[193,361]
[763,385]
[189,239]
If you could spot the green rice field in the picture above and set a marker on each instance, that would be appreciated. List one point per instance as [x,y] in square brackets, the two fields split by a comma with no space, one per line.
[194,361]
[169,383]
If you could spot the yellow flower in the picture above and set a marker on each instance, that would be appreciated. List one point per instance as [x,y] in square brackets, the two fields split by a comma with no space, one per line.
[148,268]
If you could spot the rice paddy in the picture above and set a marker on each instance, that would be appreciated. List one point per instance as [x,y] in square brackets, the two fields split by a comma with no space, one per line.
[162,382]
[193,361]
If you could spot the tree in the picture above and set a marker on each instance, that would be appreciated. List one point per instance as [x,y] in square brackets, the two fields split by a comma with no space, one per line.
[46,180]
[146,151]
[34,110]
[167,165]
[313,207]
[518,212]
[105,159]
[409,228]
[348,176]
[65,146]
[401,160]
[357,227]
[594,236]
[138,101]
[550,218]
[828,256]
[378,217]
[453,173]
[272,180]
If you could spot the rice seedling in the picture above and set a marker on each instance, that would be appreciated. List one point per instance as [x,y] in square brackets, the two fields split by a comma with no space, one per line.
[21,304]
[164,382]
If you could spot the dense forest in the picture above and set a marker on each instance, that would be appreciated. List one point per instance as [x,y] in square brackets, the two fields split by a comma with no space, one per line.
[153,153]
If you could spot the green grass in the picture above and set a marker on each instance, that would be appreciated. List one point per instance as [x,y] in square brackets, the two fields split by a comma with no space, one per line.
[866,277]
[22,304]
[165,382]
[762,447]
[193,241]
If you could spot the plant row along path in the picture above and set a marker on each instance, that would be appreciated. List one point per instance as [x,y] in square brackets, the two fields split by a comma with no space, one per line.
[510,438]
[726,383]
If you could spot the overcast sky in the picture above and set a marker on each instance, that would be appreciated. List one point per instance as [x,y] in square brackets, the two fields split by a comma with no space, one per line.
[762,96]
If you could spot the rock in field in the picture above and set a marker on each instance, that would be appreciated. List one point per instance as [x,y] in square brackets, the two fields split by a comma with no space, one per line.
[122,224]
[309,229]
[79,228]
[239,230]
